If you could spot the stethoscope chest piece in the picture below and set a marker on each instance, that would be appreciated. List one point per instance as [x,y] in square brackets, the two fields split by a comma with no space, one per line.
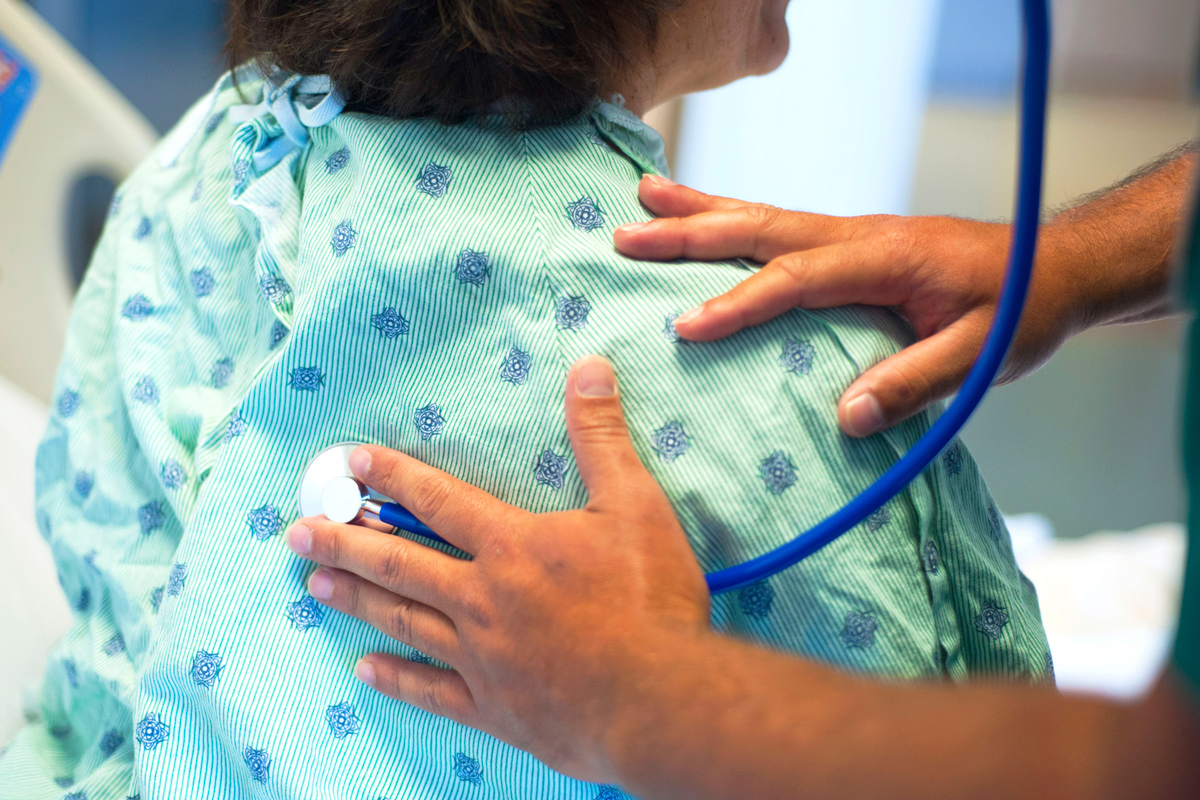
[330,488]
[343,498]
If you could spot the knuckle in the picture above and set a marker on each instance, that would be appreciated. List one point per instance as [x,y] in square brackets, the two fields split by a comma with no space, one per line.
[500,542]
[792,265]
[351,594]
[688,235]
[427,496]
[760,214]
[331,544]
[474,607]
[432,696]
[767,223]
[870,222]
[391,566]
[911,389]
[897,238]
[398,622]
[602,423]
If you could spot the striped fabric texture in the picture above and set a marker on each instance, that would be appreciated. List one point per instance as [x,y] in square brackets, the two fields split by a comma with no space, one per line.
[426,288]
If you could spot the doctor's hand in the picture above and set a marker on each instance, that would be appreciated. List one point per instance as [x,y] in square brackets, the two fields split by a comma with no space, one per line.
[582,637]
[593,592]
[1095,266]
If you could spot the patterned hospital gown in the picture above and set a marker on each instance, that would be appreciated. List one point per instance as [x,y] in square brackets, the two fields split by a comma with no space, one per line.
[426,288]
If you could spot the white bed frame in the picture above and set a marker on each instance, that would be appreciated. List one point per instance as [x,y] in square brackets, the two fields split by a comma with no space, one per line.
[77,124]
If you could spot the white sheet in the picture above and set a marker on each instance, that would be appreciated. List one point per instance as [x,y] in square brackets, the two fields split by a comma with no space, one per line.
[35,611]
[1110,601]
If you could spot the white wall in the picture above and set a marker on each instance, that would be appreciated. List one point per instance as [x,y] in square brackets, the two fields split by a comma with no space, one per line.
[836,128]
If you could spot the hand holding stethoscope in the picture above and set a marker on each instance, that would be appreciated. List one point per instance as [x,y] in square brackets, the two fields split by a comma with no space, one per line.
[622,563]
[330,487]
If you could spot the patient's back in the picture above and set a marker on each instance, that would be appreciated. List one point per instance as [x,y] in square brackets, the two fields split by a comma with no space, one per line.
[426,288]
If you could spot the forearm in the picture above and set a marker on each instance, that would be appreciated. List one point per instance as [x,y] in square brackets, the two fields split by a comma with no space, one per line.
[1115,250]
[719,718]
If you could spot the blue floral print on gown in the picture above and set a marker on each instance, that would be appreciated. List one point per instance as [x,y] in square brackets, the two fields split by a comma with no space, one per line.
[342,720]
[151,517]
[516,366]
[472,267]
[206,668]
[390,323]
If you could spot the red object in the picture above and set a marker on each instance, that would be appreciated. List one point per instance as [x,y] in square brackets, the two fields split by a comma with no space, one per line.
[8,71]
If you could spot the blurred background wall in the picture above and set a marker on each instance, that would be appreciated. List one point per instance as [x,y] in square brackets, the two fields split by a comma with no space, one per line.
[162,54]
[835,128]
[902,106]
[1091,441]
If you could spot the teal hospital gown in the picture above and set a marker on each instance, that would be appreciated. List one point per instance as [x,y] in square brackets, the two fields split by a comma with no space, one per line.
[281,277]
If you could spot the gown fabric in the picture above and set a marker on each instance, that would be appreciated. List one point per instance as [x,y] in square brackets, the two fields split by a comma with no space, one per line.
[254,300]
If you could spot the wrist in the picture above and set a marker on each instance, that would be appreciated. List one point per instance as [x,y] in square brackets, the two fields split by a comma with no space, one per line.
[650,696]
[1066,278]
[1099,276]
[1117,249]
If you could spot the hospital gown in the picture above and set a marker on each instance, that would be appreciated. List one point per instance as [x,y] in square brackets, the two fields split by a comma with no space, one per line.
[426,287]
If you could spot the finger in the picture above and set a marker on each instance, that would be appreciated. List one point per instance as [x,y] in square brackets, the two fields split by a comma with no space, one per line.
[756,232]
[403,619]
[825,277]
[399,565]
[436,690]
[904,384]
[599,436]
[665,198]
[460,513]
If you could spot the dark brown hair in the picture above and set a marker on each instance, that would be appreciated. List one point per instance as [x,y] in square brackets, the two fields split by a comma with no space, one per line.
[543,60]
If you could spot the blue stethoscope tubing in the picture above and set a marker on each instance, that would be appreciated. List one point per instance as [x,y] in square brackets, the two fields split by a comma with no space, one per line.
[1035,86]
[400,517]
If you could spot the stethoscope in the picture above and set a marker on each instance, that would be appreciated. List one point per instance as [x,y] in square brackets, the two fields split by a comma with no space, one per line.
[328,486]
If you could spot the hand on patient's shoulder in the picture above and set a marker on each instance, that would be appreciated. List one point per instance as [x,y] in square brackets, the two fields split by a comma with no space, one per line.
[944,274]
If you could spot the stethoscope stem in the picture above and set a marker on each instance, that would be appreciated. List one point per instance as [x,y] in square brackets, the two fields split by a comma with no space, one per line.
[400,517]
[330,489]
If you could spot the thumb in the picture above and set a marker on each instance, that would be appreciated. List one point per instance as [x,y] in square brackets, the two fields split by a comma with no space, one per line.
[596,425]
[908,382]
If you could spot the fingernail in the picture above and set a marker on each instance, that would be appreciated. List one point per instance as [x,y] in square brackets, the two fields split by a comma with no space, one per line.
[594,377]
[632,226]
[320,585]
[659,180]
[864,415]
[688,316]
[299,538]
[365,672]
[360,461]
